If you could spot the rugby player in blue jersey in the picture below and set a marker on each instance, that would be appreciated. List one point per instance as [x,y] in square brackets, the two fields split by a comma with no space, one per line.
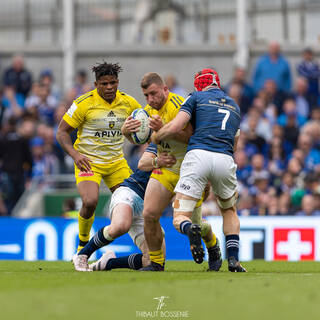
[125,212]
[216,120]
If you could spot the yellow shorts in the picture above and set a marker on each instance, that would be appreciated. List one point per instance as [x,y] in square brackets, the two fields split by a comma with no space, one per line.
[169,180]
[111,173]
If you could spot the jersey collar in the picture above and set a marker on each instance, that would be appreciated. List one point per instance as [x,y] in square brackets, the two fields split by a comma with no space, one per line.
[115,101]
[213,88]
[168,99]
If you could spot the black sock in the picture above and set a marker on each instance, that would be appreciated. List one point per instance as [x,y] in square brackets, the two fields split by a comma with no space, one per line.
[82,243]
[96,242]
[134,261]
[232,243]
[185,227]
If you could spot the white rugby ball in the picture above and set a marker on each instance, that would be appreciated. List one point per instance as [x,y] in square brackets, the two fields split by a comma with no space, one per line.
[144,133]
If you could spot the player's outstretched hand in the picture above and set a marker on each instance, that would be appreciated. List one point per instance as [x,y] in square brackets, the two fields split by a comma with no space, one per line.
[130,125]
[82,162]
[155,123]
[166,160]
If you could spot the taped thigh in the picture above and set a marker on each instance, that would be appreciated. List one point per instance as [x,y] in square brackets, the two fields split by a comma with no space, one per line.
[184,205]
[228,203]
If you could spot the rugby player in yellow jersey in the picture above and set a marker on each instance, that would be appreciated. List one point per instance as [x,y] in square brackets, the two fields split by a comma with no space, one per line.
[163,107]
[97,153]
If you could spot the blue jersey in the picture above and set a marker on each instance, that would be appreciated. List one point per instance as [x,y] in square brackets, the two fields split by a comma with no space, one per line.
[215,118]
[139,179]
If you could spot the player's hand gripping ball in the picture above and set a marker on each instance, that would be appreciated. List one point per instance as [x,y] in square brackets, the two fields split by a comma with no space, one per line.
[144,132]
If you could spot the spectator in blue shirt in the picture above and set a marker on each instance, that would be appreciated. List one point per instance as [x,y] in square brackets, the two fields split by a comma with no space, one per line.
[43,163]
[291,115]
[18,77]
[310,69]
[272,65]
[173,85]
[243,167]
[12,103]
[304,101]
[312,155]
[42,105]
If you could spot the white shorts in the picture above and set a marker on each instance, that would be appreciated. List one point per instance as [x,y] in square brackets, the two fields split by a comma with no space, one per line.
[128,196]
[201,166]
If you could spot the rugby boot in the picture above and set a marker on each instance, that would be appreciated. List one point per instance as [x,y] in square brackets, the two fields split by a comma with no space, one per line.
[214,257]
[196,247]
[80,262]
[101,264]
[235,266]
[153,266]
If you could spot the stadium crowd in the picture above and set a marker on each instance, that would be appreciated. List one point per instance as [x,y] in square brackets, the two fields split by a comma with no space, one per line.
[278,154]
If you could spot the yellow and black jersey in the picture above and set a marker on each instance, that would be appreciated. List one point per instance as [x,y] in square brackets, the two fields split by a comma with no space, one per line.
[167,113]
[99,125]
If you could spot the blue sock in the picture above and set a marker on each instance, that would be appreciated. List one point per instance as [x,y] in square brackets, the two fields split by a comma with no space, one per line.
[96,242]
[232,243]
[134,261]
[185,227]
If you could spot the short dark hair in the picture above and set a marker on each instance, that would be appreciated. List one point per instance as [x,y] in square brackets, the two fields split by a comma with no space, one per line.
[106,69]
[308,50]
[149,78]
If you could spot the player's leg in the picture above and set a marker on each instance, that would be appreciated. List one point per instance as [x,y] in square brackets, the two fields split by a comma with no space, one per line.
[145,252]
[231,230]
[189,189]
[89,193]
[121,219]
[113,175]
[120,225]
[157,198]
[136,233]
[135,230]
[88,188]
[123,204]
[207,235]
[134,261]
[210,240]
[224,184]
[182,220]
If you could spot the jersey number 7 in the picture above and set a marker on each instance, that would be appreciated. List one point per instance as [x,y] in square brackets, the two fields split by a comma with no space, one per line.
[225,119]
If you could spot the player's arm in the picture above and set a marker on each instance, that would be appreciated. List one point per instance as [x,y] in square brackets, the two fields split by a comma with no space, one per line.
[184,135]
[150,160]
[173,128]
[64,139]
[129,126]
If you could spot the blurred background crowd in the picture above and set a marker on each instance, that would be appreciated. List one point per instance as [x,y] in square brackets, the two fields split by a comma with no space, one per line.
[278,154]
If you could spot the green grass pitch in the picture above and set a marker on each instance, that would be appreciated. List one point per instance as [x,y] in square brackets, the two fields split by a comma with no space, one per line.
[53,290]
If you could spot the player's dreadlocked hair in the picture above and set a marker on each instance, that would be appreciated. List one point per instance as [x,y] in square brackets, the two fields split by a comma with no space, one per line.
[106,69]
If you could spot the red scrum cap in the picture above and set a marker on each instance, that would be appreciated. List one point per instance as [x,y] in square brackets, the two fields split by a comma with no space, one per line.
[205,78]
